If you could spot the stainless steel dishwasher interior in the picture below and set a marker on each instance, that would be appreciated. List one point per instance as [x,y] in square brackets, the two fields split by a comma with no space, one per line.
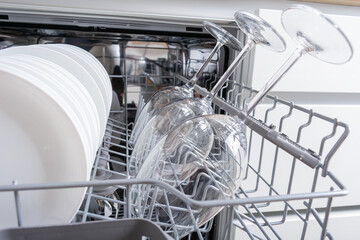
[141,63]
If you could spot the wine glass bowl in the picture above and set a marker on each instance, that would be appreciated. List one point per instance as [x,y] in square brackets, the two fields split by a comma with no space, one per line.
[222,35]
[260,31]
[161,123]
[204,157]
[317,33]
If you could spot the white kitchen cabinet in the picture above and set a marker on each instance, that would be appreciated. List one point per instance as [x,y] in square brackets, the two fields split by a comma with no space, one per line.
[332,90]
[343,225]
[308,74]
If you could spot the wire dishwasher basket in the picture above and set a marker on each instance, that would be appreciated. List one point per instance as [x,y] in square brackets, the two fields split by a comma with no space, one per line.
[286,182]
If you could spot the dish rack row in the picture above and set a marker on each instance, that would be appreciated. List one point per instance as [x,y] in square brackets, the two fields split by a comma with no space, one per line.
[271,196]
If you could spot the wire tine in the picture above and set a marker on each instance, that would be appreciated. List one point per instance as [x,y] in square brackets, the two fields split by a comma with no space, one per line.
[276,192]
[334,148]
[246,99]
[208,226]
[328,137]
[196,228]
[90,189]
[153,201]
[243,216]
[326,218]
[207,83]
[230,224]
[308,209]
[225,86]
[249,150]
[230,92]
[148,189]
[245,228]
[238,100]
[257,223]
[298,137]
[263,141]
[266,222]
[212,83]
[282,119]
[171,216]
[17,205]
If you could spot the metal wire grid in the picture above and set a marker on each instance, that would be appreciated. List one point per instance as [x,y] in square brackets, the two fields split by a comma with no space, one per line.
[337,131]
[242,199]
[251,211]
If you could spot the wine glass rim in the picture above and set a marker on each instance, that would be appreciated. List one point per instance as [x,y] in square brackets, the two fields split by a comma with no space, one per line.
[327,19]
[263,22]
[231,41]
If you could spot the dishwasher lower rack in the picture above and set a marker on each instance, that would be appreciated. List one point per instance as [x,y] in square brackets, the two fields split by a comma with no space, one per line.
[272,194]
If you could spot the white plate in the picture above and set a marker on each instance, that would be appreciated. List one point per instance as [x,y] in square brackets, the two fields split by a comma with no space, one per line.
[70,65]
[64,84]
[105,80]
[94,67]
[76,94]
[88,64]
[41,143]
[100,67]
[90,69]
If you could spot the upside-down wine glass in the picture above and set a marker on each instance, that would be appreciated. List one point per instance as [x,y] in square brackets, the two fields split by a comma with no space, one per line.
[258,31]
[203,151]
[316,35]
[169,94]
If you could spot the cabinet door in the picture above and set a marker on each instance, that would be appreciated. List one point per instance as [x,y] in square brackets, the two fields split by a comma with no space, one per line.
[342,225]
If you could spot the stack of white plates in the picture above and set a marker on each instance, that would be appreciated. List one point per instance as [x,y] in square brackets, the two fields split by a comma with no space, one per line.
[54,104]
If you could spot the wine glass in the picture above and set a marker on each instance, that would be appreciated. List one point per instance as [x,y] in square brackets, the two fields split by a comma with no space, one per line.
[258,31]
[313,31]
[173,93]
[316,35]
[201,151]
[200,157]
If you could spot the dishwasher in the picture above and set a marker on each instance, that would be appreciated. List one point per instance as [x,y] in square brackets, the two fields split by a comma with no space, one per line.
[143,56]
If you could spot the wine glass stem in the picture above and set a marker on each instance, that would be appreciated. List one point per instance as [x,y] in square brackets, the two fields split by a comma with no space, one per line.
[249,45]
[275,78]
[190,85]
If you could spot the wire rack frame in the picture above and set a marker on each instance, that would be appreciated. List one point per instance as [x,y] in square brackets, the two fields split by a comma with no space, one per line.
[244,209]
